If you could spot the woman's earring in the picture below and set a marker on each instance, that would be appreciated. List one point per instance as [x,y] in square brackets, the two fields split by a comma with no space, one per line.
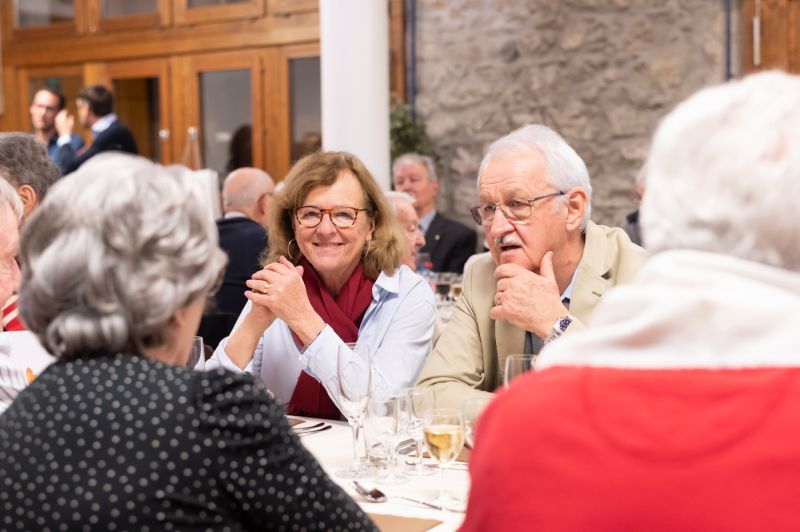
[289,249]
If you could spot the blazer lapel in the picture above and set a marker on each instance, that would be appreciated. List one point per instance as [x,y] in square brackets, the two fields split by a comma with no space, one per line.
[593,274]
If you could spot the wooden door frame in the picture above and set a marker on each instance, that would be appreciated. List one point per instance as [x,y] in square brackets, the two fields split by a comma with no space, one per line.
[189,68]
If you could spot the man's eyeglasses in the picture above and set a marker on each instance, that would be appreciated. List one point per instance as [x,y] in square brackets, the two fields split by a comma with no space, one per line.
[341,217]
[514,209]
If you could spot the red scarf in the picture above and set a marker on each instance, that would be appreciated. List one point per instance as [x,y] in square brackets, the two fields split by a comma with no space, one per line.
[344,314]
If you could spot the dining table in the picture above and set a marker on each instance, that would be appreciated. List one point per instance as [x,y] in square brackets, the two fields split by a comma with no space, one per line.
[333,449]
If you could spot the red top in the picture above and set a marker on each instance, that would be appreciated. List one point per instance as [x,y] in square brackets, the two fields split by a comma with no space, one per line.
[11,319]
[575,448]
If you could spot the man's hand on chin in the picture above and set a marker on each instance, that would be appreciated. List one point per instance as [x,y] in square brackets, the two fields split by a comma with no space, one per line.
[529,300]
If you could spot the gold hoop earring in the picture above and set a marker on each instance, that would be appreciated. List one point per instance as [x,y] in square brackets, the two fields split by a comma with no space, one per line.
[289,249]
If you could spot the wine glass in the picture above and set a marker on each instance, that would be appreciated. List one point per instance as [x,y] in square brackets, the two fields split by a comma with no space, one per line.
[419,400]
[354,376]
[516,365]
[197,356]
[473,408]
[444,436]
[443,286]
[387,421]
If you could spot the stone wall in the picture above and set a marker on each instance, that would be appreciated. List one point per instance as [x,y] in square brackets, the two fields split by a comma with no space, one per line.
[600,72]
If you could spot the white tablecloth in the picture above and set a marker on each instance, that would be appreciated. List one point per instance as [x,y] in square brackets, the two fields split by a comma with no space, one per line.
[334,450]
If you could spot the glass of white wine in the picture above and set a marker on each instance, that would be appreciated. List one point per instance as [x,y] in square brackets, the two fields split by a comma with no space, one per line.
[444,436]
[354,376]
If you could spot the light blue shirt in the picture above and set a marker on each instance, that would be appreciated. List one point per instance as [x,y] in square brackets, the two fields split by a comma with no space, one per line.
[425,221]
[397,327]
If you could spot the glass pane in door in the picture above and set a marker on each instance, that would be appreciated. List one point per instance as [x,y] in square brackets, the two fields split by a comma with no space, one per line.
[205,3]
[124,8]
[31,13]
[226,120]
[136,103]
[305,96]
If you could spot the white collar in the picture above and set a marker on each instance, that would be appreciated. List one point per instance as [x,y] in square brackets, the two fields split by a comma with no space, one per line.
[103,123]
[690,310]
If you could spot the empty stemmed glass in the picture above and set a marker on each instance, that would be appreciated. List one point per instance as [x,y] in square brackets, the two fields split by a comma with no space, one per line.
[473,408]
[354,374]
[419,401]
[444,436]
[516,365]
[387,419]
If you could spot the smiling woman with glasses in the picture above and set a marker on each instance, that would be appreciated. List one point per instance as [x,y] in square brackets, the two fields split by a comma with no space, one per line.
[333,276]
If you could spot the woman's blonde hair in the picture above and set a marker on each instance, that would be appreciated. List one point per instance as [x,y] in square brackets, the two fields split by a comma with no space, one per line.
[322,169]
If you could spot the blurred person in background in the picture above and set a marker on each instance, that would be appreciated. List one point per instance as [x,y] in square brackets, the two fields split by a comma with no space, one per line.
[333,275]
[448,242]
[95,111]
[677,408]
[403,207]
[46,104]
[117,266]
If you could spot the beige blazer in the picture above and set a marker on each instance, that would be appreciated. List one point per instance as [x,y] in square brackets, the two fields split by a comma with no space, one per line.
[469,356]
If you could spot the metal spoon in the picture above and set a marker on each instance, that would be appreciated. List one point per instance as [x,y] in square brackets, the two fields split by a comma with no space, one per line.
[373,494]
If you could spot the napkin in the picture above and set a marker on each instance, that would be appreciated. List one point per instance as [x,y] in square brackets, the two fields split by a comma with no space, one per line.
[392,523]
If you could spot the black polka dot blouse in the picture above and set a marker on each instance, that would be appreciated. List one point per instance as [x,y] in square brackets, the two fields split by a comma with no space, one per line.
[125,443]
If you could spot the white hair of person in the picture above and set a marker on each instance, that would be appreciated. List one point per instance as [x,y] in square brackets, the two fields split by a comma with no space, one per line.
[395,195]
[565,168]
[723,174]
[114,251]
[9,199]
[415,158]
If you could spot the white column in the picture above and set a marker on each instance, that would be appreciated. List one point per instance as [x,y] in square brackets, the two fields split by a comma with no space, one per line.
[354,56]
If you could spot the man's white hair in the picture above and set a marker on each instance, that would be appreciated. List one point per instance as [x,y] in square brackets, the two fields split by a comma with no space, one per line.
[9,199]
[415,158]
[723,174]
[565,168]
[395,195]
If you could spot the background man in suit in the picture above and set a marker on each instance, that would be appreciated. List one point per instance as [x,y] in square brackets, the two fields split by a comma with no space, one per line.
[46,104]
[95,105]
[403,208]
[548,267]
[246,201]
[25,165]
[448,242]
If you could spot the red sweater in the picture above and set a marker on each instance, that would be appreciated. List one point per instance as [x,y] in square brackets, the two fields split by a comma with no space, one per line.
[588,449]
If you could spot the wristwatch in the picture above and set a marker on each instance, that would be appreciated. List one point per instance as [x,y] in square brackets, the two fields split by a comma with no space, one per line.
[559,327]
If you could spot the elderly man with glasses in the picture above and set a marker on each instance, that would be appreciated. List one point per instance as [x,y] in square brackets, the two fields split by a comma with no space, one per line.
[549,264]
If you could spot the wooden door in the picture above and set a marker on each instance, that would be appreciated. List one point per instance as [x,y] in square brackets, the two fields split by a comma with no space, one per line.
[773,42]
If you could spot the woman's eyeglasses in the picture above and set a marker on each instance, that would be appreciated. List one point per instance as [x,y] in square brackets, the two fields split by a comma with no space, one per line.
[341,217]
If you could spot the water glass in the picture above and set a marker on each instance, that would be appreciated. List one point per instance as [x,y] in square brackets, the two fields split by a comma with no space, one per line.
[516,365]
[197,356]
[444,436]
[473,408]
[420,400]
[354,382]
[387,423]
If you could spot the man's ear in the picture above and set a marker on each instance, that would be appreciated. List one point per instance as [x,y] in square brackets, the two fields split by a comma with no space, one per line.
[29,199]
[577,200]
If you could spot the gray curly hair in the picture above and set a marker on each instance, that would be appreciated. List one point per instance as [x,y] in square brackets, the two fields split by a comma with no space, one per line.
[114,251]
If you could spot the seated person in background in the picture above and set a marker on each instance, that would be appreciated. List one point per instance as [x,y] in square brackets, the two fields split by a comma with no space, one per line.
[246,201]
[333,275]
[95,105]
[631,223]
[25,164]
[677,409]
[449,243]
[46,104]
[117,265]
[403,207]
[548,269]
[10,216]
